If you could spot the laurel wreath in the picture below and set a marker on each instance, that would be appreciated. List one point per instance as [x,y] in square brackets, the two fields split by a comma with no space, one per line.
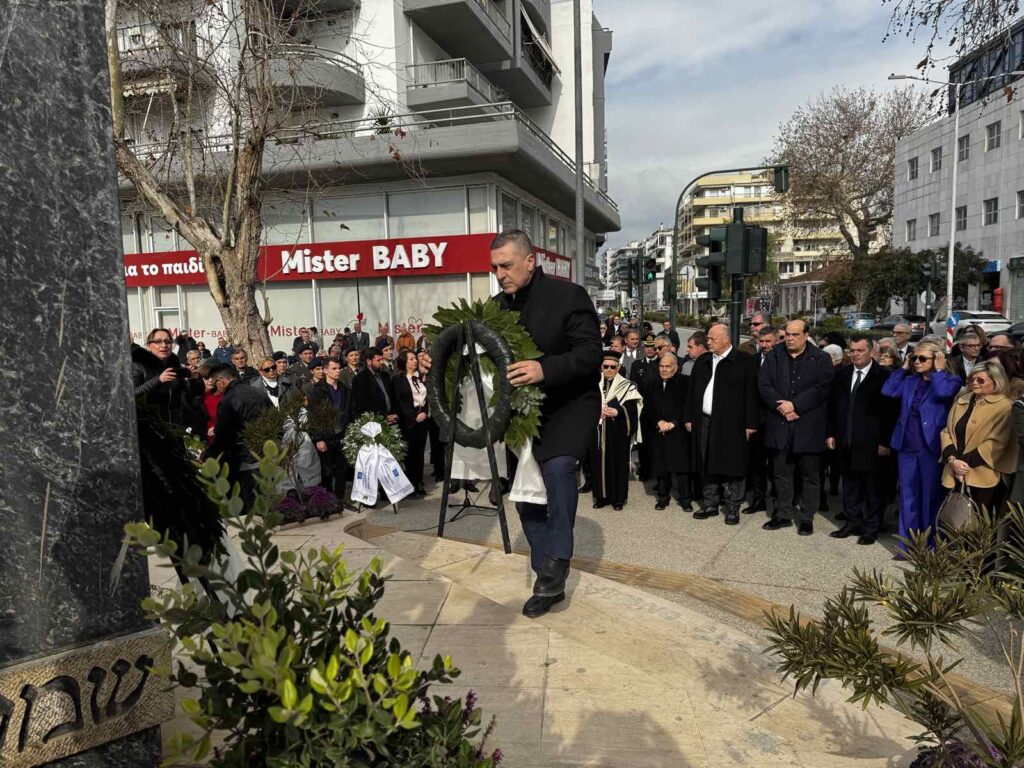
[525,402]
[389,438]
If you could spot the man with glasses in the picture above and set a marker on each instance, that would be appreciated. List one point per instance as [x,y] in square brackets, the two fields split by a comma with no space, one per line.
[970,356]
[245,372]
[632,353]
[795,385]
[757,322]
[999,342]
[901,332]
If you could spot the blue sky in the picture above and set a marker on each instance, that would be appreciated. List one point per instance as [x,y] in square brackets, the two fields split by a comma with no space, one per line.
[695,85]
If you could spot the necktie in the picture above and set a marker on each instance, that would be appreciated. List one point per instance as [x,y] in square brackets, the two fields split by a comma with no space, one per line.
[384,391]
[849,412]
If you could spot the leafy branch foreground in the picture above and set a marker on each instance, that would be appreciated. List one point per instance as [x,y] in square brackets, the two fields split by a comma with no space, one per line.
[967,587]
[294,669]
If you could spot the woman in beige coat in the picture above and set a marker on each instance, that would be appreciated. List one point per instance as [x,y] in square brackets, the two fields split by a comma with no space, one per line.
[978,445]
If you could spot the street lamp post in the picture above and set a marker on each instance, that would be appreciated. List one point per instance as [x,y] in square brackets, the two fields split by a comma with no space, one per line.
[955,158]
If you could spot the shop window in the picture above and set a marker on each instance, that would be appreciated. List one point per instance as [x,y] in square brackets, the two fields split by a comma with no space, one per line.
[528,222]
[479,216]
[427,212]
[285,222]
[342,300]
[417,299]
[203,315]
[128,242]
[357,217]
[161,236]
[509,213]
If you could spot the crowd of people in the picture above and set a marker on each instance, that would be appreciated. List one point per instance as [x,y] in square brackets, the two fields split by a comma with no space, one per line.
[784,420]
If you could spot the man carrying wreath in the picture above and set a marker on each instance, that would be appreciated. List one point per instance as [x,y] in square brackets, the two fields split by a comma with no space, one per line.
[561,318]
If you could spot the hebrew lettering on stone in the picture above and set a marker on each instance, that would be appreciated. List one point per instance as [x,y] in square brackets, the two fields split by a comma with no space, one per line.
[115,708]
[54,712]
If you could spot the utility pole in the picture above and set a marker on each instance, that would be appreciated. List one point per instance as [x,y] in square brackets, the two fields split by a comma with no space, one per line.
[577,33]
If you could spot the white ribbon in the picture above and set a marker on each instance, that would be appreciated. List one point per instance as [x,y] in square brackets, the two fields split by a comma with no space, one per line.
[376,466]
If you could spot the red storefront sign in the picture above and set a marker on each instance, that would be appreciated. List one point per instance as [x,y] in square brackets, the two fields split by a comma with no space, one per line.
[405,257]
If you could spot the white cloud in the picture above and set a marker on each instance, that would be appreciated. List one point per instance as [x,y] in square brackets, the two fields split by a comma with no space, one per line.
[697,86]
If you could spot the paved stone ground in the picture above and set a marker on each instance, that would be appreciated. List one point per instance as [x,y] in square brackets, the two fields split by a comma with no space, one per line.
[779,566]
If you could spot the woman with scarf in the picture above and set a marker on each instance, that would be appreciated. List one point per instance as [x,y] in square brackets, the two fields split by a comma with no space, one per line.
[411,392]
[925,391]
[617,428]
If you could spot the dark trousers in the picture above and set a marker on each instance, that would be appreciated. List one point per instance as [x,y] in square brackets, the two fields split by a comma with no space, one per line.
[718,489]
[334,471]
[863,501]
[643,461]
[760,471]
[788,469]
[436,449]
[416,439]
[681,481]
[548,527]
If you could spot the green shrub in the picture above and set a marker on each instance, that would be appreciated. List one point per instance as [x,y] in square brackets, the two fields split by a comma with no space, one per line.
[294,668]
[947,593]
[832,323]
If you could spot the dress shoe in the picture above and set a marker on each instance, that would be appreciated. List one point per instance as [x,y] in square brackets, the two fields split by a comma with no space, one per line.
[551,577]
[704,514]
[805,528]
[731,518]
[601,503]
[537,606]
[661,504]
[752,508]
[470,486]
[349,506]
[775,523]
[867,538]
[454,486]
[846,531]
[617,507]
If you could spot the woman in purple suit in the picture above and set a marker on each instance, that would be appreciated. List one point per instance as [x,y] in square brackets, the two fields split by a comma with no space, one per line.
[926,392]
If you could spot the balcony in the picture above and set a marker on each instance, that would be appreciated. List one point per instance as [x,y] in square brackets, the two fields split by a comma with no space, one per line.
[540,13]
[476,29]
[306,74]
[156,57]
[528,77]
[496,138]
[451,83]
[322,6]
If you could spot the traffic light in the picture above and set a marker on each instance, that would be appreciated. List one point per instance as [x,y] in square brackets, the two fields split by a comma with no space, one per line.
[650,270]
[757,251]
[735,248]
[781,179]
[669,293]
[624,271]
[926,272]
[713,262]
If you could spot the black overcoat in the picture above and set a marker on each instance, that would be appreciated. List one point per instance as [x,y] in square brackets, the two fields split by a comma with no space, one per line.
[669,452]
[858,434]
[561,318]
[321,393]
[735,409]
[367,397]
[810,399]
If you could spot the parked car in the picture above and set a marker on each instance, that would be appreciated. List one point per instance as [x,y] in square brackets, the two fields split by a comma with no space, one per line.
[1016,332]
[989,322]
[859,321]
[918,325]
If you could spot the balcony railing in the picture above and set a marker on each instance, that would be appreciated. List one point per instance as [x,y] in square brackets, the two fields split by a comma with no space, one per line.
[436,73]
[425,120]
[495,15]
[538,61]
[309,51]
[143,39]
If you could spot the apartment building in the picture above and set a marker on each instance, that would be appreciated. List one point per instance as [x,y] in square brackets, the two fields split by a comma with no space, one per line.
[408,133]
[988,213]
[797,247]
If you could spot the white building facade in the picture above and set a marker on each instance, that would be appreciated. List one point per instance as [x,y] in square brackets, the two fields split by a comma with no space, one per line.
[426,127]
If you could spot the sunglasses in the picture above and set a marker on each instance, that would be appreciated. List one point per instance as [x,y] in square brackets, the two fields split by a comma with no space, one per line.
[978,380]
[922,358]
[611,367]
[268,370]
[160,341]
[756,325]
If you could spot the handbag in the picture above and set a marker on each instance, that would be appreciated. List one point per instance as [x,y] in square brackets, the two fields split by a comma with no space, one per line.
[958,509]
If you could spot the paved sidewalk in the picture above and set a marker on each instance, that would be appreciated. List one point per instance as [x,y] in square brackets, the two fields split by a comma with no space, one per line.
[614,677]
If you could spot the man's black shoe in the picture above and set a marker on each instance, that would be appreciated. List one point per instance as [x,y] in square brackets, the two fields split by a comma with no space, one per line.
[660,504]
[704,514]
[775,523]
[732,518]
[537,606]
[349,506]
[845,532]
[617,507]
[601,503]
[805,528]
[470,486]
[752,508]
[867,538]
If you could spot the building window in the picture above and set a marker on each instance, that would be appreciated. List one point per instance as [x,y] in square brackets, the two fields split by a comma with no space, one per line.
[993,135]
[936,159]
[961,218]
[427,212]
[1020,204]
[992,211]
[911,169]
[933,224]
[1020,125]
[963,148]
[911,230]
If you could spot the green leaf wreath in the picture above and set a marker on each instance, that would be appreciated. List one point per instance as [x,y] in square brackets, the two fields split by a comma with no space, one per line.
[525,401]
[389,437]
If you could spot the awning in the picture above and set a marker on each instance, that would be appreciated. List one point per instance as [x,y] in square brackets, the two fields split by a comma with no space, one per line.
[541,42]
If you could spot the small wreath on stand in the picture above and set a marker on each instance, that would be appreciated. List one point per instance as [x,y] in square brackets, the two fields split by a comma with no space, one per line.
[514,411]
[389,437]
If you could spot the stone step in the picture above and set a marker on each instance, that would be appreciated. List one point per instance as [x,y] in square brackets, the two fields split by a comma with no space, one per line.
[632,679]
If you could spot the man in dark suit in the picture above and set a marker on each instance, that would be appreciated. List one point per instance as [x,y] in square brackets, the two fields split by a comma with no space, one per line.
[722,414]
[333,466]
[669,444]
[795,382]
[644,372]
[861,421]
[561,318]
[371,389]
[358,339]
[760,461]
